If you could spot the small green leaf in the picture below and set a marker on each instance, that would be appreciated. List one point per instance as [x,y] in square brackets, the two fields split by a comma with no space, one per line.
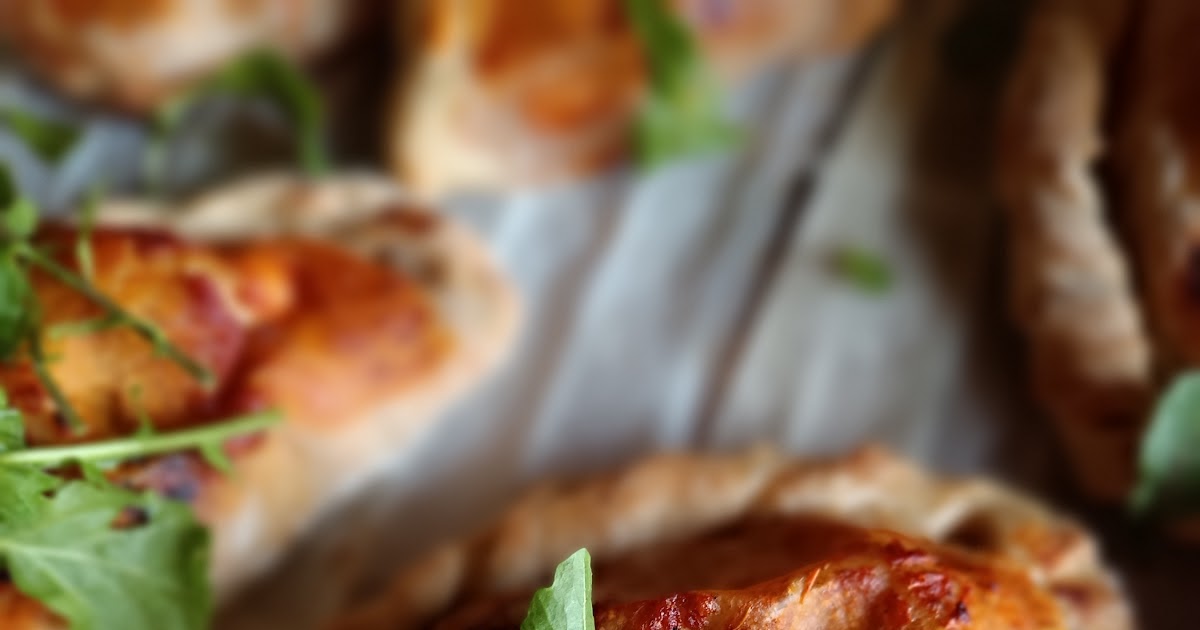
[682,113]
[60,544]
[863,269]
[102,556]
[667,131]
[19,220]
[567,603]
[12,426]
[1169,461]
[50,140]
[265,75]
[16,322]
[18,216]
[93,472]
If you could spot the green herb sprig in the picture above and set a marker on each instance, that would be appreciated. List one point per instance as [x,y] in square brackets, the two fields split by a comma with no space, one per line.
[114,313]
[567,603]
[257,75]
[682,112]
[52,141]
[100,555]
[20,325]
[205,439]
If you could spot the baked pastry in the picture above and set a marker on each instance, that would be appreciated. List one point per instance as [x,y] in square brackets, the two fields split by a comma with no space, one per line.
[759,540]
[354,313]
[1072,289]
[1097,173]
[502,94]
[137,53]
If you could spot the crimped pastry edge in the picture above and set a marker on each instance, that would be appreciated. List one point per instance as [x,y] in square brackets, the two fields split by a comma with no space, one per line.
[671,496]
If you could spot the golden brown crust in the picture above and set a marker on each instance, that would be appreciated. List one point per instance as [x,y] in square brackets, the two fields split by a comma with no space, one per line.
[311,272]
[669,500]
[22,613]
[796,572]
[497,97]
[1071,285]
[137,53]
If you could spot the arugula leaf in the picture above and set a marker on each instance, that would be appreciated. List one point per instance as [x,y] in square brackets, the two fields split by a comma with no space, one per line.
[94,472]
[863,269]
[61,545]
[1169,461]
[19,220]
[12,426]
[18,217]
[50,140]
[682,113]
[99,555]
[567,603]
[260,74]
[15,296]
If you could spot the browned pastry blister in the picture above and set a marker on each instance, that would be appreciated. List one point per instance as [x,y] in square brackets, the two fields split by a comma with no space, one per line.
[1072,289]
[502,94]
[760,540]
[354,313]
[138,53]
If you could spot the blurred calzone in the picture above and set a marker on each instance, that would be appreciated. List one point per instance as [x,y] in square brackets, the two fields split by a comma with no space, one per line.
[137,53]
[507,93]
[355,314]
[1100,174]
[759,540]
